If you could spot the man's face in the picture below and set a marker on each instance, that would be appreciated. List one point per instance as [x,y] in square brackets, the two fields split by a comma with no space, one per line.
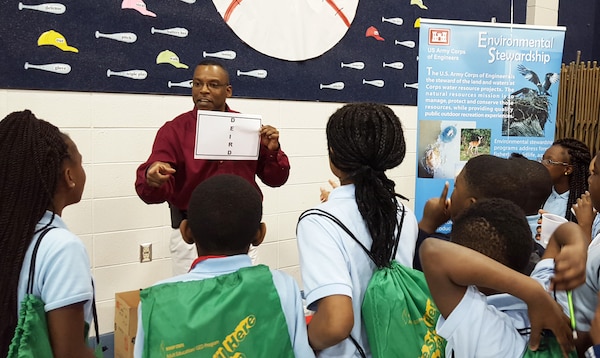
[210,88]
[594,181]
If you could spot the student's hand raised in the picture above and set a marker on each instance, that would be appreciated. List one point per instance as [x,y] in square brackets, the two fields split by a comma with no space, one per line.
[436,212]
[325,193]
[545,313]
[585,213]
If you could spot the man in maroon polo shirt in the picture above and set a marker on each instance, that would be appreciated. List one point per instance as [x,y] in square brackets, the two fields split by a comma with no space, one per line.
[171,173]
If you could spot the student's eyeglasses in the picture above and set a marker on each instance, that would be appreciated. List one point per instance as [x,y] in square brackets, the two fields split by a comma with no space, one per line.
[552,162]
[210,85]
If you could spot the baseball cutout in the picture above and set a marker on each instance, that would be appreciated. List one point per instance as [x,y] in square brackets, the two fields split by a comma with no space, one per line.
[293,30]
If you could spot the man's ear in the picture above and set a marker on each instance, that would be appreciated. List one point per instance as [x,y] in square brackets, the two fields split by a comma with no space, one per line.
[186,232]
[260,234]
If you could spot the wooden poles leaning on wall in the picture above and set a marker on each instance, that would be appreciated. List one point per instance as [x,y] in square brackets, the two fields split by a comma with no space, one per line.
[578,111]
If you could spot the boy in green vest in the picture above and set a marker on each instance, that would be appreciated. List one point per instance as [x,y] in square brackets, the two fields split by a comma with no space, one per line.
[224,306]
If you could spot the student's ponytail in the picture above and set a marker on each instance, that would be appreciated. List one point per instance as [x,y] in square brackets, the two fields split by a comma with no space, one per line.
[365,140]
[579,158]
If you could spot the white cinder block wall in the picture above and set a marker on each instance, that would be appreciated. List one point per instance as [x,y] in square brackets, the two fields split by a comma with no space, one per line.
[114,133]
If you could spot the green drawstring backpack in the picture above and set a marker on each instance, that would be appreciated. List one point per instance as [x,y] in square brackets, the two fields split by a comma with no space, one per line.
[549,348]
[31,338]
[233,315]
[398,312]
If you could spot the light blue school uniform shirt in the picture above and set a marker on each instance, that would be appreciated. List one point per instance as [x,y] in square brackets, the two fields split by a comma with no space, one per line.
[332,263]
[596,226]
[585,297]
[286,286]
[62,269]
[557,203]
[488,326]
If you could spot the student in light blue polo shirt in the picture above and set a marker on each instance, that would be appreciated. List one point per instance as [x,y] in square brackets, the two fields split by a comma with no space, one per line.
[567,161]
[488,308]
[364,140]
[42,173]
[224,219]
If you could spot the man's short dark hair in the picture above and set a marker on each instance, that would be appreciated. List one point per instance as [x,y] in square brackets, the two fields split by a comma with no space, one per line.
[496,228]
[224,214]
[213,63]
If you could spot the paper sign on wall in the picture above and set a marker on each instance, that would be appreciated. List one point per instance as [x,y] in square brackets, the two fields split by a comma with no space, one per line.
[227,136]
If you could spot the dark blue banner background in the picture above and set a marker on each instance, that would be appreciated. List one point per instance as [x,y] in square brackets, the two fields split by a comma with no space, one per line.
[20,30]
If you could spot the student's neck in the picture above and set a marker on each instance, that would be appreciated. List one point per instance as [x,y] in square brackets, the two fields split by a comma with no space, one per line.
[57,211]
[561,187]
[219,253]
[346,181]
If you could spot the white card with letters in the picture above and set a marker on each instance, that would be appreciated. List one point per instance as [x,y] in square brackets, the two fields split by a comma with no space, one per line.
[227,136]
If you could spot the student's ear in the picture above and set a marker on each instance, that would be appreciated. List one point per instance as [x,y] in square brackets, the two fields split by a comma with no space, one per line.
[186,232]
[569,170]
[260,234]
[68,177]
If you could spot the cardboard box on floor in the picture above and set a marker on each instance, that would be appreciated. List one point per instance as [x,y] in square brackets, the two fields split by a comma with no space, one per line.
[126,309]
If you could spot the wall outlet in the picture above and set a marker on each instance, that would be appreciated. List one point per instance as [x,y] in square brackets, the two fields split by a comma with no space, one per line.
[146,252]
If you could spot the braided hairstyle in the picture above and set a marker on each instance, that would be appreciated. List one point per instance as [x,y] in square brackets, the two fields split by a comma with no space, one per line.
[31,156]
[365,140]
[579,159]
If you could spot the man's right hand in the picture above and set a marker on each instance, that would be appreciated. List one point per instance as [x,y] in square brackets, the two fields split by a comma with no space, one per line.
[158,173]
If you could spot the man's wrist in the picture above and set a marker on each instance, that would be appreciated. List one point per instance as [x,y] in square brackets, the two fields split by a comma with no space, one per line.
[276,149]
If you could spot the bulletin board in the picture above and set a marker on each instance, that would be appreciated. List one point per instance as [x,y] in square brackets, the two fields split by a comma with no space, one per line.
[347,50]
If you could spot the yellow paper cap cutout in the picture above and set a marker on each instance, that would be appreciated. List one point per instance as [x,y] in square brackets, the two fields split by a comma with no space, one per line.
[170,57]
[54,38]
[419,3]
[417,23]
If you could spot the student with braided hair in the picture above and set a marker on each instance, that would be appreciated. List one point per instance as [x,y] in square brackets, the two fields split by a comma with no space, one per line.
[567,161]
[42,175]
[364,140]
